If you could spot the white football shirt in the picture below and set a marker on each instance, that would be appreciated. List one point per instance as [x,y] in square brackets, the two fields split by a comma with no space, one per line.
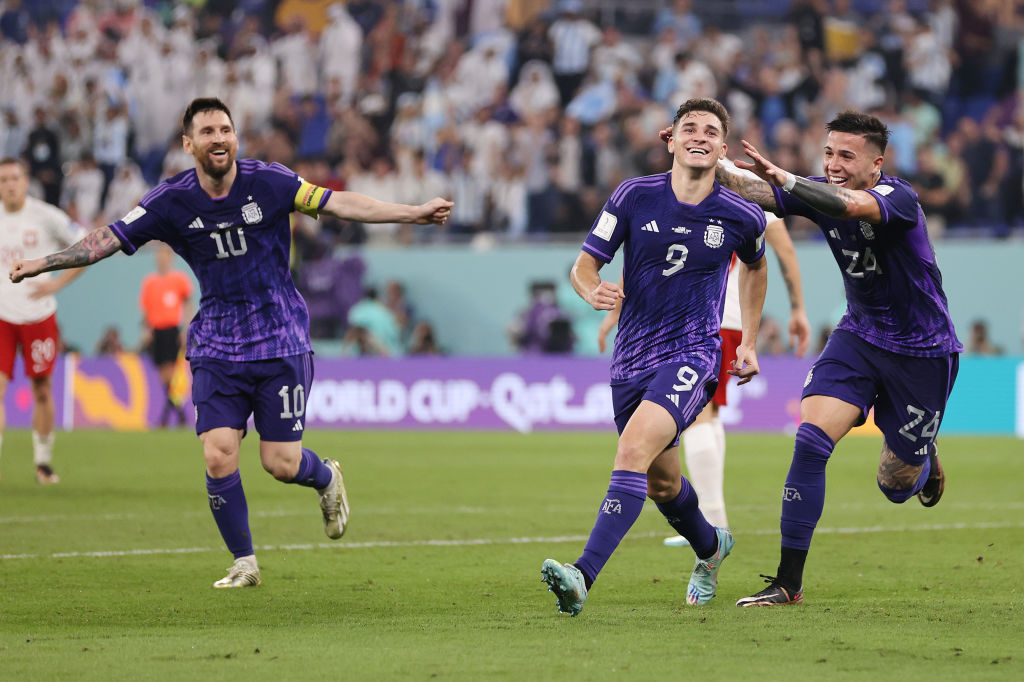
[37,230]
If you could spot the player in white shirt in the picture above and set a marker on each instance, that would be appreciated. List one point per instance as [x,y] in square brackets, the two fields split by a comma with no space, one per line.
[704,440]
[30,228]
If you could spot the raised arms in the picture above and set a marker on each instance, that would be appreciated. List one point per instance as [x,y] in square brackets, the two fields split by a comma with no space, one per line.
[94,247]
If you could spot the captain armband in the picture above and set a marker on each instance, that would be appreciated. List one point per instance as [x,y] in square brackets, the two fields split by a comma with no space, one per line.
[310,198]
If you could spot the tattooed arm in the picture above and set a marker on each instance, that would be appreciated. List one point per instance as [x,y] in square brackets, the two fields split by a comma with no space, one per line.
[832,200]
[96,246]
[754,189]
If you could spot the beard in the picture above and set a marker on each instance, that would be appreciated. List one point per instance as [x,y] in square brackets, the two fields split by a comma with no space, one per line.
[213,168]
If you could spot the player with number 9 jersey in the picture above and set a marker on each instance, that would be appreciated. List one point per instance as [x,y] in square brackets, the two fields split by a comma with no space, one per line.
[678,231]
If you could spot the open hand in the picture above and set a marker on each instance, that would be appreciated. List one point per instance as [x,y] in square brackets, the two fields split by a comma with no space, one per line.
[762,167]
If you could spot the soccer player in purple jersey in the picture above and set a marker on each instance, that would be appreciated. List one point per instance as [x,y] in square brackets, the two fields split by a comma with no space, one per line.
[895,349]
[249,343]
[678,231]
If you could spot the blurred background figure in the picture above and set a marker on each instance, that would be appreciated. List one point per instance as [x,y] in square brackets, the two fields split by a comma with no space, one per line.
[166,302]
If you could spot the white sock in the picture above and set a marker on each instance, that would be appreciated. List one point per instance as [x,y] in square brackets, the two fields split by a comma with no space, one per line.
[42,448]
[251,559]
[706,469]
[716,424]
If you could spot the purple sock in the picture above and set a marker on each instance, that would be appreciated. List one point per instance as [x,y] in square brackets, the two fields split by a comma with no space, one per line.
[231,512]
[683,515]
[803,498]
[619,511]
[313,473]
[901,495]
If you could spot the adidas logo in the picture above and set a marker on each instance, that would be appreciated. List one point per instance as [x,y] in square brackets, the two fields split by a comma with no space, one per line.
[674,398]
[651,227]
[196,224]
[298,425]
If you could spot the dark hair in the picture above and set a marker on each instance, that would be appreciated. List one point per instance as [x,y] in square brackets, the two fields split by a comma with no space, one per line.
[712,106]
[865,125]
[198,106]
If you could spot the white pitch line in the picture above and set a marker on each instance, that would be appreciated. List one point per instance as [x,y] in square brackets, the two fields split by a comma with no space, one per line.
[496,541]
[391,511]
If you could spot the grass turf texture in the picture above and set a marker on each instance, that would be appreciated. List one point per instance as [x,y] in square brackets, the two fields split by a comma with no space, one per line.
[896,591]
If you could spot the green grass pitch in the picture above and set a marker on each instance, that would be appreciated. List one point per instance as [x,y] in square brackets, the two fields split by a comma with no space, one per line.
[107,575]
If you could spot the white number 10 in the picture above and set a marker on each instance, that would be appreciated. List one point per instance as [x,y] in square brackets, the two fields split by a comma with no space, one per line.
[298,402]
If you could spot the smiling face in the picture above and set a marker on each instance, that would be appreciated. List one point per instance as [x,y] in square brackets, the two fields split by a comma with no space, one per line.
[698,140]
[212,142]
[851,161]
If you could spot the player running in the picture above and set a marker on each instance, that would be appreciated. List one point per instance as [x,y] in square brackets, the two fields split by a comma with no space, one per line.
[249,344]
[895,349]
[679,231]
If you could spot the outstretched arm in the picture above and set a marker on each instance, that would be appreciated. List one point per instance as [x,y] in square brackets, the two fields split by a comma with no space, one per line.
[94,247]
[753,285]
[782,245]
[364,209]
[752,188]
[832,200]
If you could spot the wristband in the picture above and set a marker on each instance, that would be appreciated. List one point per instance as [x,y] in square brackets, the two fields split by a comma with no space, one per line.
[790,182]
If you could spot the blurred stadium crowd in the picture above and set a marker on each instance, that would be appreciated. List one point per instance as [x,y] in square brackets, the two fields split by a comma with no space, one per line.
[526,112]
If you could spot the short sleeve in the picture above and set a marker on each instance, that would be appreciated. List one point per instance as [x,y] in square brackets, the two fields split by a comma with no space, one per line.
[752,248]
[897,203]
[185,286]
[140,225]
[609,230]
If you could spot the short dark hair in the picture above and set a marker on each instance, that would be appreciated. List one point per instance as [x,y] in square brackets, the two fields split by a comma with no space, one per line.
[865,125]
[712,106]
[198,106]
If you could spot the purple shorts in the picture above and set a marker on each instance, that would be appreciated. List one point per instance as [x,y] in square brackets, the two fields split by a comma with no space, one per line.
[682,388]
[274,391]
[908,393]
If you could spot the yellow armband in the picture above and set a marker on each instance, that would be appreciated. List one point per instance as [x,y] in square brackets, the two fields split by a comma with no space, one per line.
[308,198]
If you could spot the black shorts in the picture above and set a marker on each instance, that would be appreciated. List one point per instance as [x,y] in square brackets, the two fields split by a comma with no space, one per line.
[165,346]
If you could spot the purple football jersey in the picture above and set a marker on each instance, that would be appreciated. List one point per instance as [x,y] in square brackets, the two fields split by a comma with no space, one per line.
[238,247]
[675,269]
[894,297]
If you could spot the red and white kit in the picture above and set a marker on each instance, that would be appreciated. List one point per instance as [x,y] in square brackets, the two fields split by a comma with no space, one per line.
[36,230]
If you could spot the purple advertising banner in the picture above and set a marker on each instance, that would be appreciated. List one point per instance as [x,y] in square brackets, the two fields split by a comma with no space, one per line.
[525,394]
[522,394]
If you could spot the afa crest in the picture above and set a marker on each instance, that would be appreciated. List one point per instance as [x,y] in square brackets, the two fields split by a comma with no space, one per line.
[714,236]
[251,213]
